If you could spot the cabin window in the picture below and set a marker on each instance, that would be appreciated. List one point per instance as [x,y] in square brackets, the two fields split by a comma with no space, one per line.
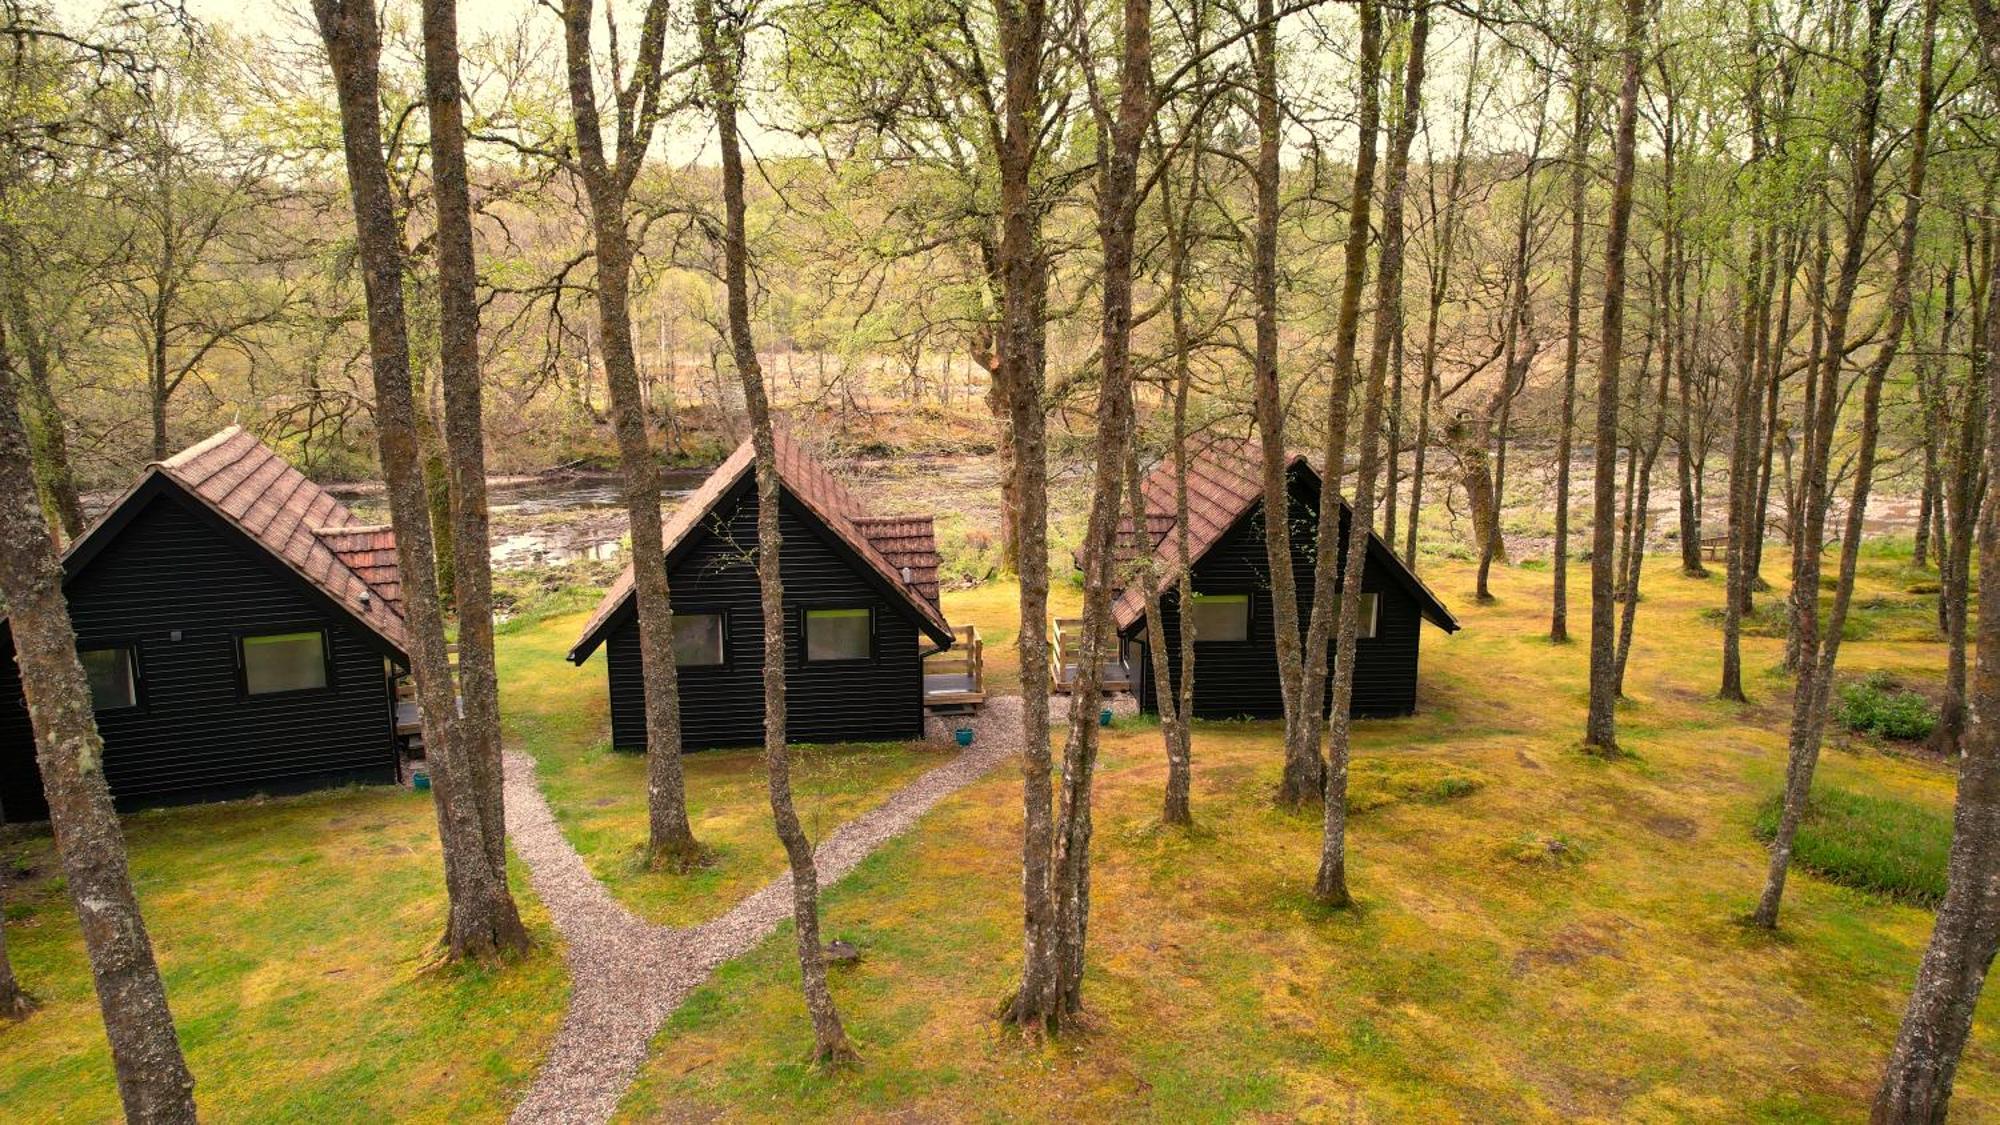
[113,683]
[1220,617]
[1365,624]
[280,662]
[839,634]
[698,640]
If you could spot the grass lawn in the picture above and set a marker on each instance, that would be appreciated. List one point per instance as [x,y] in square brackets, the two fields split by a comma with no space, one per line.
[559,713]
[1540,934]
[294,936]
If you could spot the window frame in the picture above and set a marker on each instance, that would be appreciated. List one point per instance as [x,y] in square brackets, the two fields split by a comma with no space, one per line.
[1249,617]
[134,674]
[728,650]
[805,636]
[243,691]
[1367,627]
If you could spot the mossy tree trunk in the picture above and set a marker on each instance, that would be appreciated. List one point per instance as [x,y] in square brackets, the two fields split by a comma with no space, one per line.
[1330,884]
[607,181]
[1304,771]
[153,1078]
[1917,1081]
[722,46]
[465,436]
[482,918]
[1601,724]
[1322,625]
[1818,659]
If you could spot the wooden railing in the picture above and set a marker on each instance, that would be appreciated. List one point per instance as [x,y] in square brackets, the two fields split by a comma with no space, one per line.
[1065,649]
[957,675]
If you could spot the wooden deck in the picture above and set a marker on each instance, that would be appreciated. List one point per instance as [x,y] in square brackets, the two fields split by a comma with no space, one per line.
[956,677]
[1065,643]
[410,714]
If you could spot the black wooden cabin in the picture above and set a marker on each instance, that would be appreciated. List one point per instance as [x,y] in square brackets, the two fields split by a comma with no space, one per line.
[1236,660]
[240,629]
[861,612]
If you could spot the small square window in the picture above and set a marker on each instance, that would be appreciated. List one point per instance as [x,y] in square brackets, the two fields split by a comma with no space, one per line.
[839,634]
[1365,625]
[109,672]
[698,640]
[1220,617]
[280,662]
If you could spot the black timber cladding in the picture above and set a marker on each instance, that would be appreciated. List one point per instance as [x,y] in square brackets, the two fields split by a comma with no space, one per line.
[174,567]
[1241,678]
[713,571]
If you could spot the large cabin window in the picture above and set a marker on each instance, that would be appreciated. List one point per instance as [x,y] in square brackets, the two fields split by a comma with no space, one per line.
[698,640]
[112,678]
[1365,625]
[282,662]
[1220,617]
[834,635]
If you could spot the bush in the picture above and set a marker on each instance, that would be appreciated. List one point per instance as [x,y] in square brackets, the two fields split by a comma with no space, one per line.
[1876,844]
[1875,705]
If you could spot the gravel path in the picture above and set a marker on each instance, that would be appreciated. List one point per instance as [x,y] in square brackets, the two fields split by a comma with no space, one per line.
[628,975]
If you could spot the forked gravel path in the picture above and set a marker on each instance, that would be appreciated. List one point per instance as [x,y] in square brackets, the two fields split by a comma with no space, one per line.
[627,975]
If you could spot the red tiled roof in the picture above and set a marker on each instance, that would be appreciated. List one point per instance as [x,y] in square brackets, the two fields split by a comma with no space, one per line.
[369,550]
[827,498]
[303,525]
[1225,480]
[909,543]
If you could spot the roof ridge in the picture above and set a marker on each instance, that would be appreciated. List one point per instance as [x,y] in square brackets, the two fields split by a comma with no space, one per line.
[813,486]
[212,441]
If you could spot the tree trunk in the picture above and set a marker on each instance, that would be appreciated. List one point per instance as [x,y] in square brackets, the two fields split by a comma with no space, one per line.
[1959,503]
[48,437]
[1742,474]
[670,842]
[1330,883]
[1321,628]
[1579,183]
[1120,137]
[1174,700]
[153,1079]
[15,1003]
[1024,280]
[482,917]
[436,465]
[1601,726]
[1916,1083]
[722,49]
[1641,512]
[1818,660]
[1439,288]
[1304,772]
[1514,369]
[458,323]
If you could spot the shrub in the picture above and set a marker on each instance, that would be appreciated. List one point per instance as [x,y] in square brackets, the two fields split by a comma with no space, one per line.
[1377,782]
[1876,844]
[1875,705]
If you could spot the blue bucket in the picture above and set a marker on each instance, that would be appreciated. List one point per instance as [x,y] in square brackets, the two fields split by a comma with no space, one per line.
[964,736]
[420,780]
[1104,717]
